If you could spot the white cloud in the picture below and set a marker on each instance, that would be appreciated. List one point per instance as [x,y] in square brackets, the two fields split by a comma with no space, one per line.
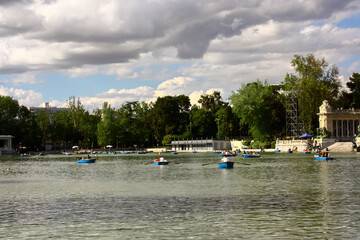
[22,79]
[25,97]
[184,46]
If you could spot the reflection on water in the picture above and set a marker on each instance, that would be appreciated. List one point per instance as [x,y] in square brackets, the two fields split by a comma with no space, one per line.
[120,197]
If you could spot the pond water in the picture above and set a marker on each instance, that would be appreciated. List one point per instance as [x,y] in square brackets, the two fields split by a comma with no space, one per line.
[279,196]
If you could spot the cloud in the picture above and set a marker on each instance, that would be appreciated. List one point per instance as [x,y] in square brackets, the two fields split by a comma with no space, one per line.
[118,97]
[25,97]
[22,79]
[91,32]
[176,47]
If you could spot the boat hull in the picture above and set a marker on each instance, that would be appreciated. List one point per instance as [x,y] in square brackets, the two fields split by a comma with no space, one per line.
[86,160]
[323,158]
[25,155]
[226,165]
[161,163]
[250,156]
[306,152]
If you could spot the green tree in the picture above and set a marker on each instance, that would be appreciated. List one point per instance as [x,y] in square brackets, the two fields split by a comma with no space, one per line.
[43,121]
[106,128]
[170,116]
[9,110]
[354,86]
[212,102]
[251,105]
[63,128]
[228,122]
[133,124]
[202,123]
[314,82]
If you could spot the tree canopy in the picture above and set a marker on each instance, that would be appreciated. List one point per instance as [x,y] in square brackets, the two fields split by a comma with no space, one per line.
[251,104]
[313,82]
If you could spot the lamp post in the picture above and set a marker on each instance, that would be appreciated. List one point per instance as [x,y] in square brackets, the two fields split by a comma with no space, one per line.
[218,132]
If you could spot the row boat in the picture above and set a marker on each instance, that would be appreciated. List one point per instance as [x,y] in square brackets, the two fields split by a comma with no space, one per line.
[322,158]
[92,160]
[251,155]
[226,165]
[161,163]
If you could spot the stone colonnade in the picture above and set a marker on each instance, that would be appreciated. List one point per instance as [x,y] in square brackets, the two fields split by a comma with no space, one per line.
[342,123]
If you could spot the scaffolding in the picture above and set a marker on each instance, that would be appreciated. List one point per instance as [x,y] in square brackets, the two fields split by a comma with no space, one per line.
[294,126]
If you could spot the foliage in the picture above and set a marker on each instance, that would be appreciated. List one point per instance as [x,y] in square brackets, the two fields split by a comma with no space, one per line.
[170,116]
[211,102]
[168,138]
[259,144]
[354,86]
[255,105]
[202,123]
[314,82]
[106,127]
[133,124]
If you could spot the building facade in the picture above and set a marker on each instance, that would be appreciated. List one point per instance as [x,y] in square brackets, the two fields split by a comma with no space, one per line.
[343,124]
[200,145]
[6,145]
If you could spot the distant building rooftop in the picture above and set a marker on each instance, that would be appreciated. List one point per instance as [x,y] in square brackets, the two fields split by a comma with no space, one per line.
[51,110]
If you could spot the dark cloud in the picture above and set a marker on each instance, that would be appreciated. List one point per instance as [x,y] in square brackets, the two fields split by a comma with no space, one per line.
[14,2]
[186,25]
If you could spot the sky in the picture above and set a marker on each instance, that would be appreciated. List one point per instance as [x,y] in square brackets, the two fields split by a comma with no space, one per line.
[118,51]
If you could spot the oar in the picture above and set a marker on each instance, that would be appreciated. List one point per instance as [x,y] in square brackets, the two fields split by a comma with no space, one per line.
[245,163]
[204,164]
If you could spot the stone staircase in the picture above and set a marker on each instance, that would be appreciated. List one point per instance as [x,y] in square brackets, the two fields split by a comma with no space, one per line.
[341,147]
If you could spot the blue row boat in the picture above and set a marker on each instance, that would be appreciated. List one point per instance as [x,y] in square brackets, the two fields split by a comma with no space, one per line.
[174,153]
[86,160]
[216,152]
[161,163]
[226,165]
[289,151]
[306,152]
[251,155]
[277,151]
[322,158]
[25,155]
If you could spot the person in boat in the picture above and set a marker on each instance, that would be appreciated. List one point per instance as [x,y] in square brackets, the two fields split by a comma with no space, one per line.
[88,156]
[162,159]
[224,159]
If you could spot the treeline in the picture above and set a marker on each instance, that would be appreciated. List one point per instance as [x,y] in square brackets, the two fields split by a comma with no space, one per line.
[256,111]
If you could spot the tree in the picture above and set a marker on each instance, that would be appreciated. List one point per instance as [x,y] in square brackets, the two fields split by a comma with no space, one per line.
[251,105]
[133,127]
[314,82]
[228,122]
[170,116]
[211,102]
[106,127]
[354,86]
[202,123]
[43,121]
[9,110]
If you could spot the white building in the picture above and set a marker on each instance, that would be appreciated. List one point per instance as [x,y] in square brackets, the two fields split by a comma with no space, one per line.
[200,145]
